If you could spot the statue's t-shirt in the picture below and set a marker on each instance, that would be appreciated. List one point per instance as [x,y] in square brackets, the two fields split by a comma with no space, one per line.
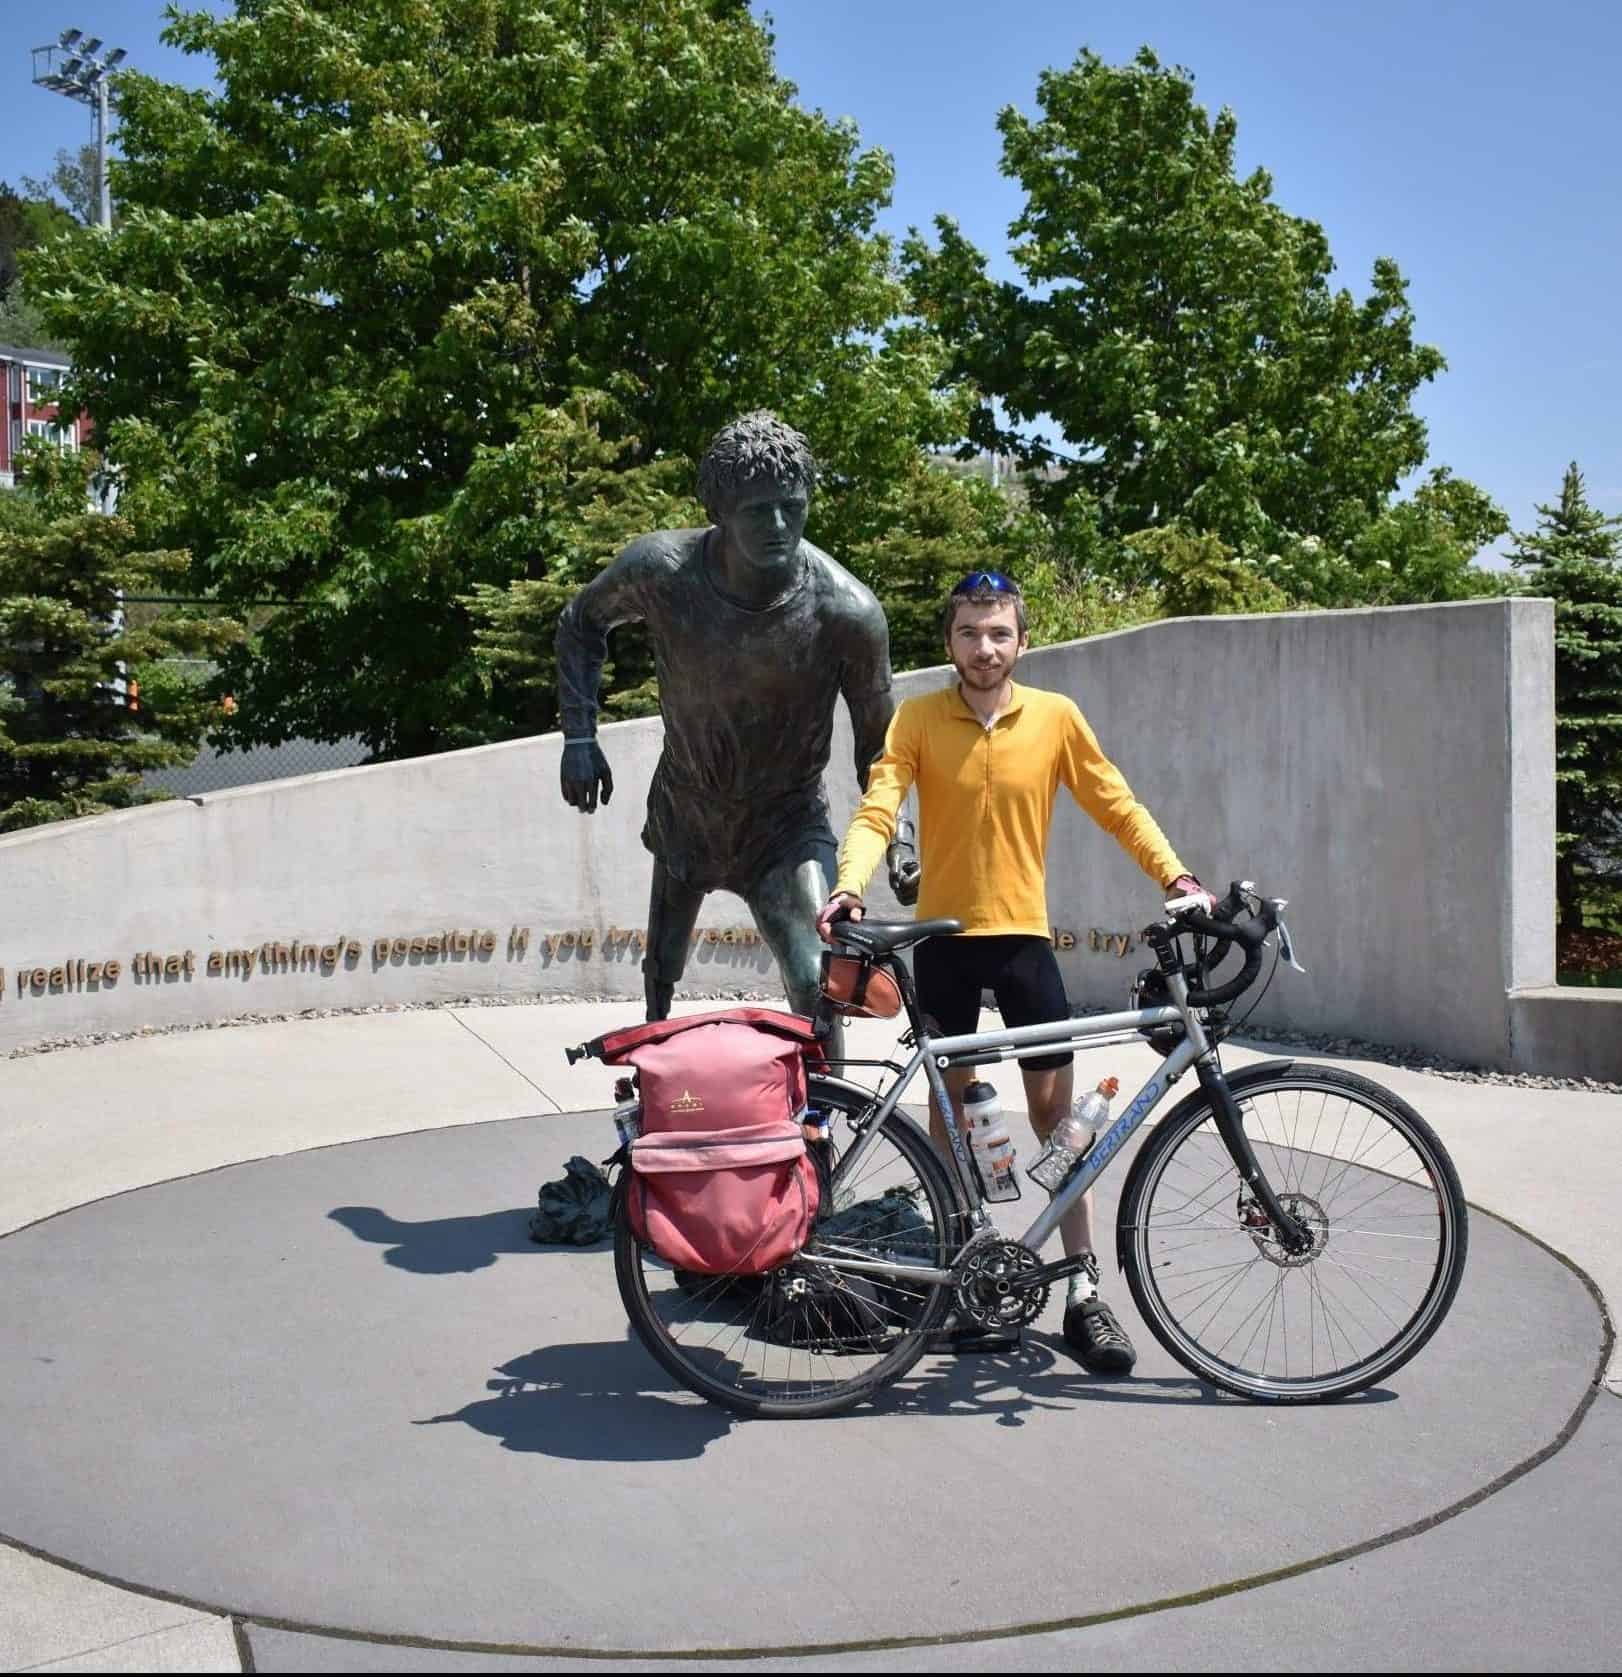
[747,696]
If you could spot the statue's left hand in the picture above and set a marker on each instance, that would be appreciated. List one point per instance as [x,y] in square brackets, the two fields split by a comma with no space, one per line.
[902,861]
[585,776]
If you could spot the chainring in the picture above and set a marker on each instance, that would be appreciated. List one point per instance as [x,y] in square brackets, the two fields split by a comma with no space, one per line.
[983,1282]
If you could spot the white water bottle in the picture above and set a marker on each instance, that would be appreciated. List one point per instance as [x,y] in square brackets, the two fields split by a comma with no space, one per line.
[1072,1136]
[627,1111]
[989,1142]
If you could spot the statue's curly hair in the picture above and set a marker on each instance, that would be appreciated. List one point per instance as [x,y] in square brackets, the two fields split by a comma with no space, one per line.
[757,445]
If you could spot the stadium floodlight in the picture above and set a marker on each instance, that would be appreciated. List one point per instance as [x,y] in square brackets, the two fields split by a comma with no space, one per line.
[83,76]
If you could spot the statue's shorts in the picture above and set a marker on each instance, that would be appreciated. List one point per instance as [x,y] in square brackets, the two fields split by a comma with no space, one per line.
[711,843]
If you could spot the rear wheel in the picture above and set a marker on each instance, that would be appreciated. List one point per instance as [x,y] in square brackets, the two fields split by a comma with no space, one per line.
[810,1340]
[1376,1191]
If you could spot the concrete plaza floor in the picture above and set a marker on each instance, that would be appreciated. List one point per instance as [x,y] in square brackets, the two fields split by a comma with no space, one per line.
[280,1357]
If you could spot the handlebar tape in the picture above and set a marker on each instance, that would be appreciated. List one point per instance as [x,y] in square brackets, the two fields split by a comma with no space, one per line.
[1251,936]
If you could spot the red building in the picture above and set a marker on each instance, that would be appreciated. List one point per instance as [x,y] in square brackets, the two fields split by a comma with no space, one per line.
[29,381]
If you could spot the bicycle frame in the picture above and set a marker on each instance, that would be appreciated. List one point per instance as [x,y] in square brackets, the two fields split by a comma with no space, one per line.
[935,1055]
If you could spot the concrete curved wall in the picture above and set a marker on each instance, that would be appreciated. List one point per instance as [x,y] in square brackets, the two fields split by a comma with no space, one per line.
[1391,771]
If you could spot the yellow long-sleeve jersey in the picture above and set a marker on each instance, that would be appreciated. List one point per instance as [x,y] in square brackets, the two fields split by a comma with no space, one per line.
[985,806]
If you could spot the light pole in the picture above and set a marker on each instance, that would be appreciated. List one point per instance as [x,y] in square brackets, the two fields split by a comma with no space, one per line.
[82,75]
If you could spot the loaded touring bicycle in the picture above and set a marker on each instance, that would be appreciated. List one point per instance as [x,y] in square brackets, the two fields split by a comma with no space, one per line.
[1290,1232]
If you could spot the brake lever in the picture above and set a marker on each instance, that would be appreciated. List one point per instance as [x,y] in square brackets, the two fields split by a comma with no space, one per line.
[1286,947]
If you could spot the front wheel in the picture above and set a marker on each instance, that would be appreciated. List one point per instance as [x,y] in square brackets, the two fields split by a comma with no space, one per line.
[811,1340]
[1376,1191]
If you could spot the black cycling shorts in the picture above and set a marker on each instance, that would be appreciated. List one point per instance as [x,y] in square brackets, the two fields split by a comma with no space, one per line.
[951,972]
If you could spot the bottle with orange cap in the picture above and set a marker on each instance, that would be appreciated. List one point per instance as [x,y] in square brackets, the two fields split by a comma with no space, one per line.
[1072,1136]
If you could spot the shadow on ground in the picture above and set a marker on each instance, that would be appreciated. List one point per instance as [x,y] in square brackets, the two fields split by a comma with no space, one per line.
[446,1245]
[601,1400]
[609,1400]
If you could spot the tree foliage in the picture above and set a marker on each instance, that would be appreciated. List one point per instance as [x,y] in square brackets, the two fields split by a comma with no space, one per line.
[387,302]
[1200,575]
[25,224]
[1574,557]
[69,742]
[595,505]
[70,189]
[1178,329]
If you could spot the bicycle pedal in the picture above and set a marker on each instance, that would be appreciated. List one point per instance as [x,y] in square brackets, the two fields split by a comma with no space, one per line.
[968,1342]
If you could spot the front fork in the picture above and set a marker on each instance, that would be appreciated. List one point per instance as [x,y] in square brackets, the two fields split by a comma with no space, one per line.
[1230,1124]
[1229,1120]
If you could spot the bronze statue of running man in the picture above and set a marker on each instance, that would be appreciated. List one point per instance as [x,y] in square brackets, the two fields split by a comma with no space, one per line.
[756,635]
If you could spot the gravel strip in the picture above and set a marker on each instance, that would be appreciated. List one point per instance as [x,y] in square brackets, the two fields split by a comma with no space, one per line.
[1356,1048]
[1407,1058]
[1416,1059]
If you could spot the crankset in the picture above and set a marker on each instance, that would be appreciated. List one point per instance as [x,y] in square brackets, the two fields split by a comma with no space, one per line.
[998,1284]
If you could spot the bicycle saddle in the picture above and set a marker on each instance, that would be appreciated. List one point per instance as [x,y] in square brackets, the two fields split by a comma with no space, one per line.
[884,937]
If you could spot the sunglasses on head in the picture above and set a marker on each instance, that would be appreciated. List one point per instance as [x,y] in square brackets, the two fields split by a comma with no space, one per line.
[994,580]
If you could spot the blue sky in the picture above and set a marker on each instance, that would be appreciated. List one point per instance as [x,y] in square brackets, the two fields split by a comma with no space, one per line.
[1476,143]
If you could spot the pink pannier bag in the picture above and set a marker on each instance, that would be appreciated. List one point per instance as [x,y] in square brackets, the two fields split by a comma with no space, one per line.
[720,1181]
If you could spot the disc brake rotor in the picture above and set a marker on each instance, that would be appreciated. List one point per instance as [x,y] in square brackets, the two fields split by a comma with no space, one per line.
[1308,1213]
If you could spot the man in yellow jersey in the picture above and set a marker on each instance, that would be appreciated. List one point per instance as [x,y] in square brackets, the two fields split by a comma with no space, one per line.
[987,757]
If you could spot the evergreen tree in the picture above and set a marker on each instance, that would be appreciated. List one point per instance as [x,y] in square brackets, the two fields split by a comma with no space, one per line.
[1574,556]
[71,742]
[1200,575]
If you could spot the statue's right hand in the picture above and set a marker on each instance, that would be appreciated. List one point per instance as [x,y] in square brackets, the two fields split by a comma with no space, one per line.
[585,776]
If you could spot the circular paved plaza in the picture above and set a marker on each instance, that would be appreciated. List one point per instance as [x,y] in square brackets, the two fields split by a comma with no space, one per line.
[341,1390]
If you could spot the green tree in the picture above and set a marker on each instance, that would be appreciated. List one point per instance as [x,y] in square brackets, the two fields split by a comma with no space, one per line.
[70,744]
[371,295]
[929,527]
[70,188]
[1574,557]
[1199,575]
[21,323]
[580,500]
[921,533]
[1179,330]
[25,224]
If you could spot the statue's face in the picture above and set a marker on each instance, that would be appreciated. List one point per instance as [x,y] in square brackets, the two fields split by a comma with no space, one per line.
[766,521]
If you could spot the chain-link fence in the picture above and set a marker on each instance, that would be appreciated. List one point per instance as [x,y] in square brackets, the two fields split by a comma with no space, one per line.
[216,771]
[212,770]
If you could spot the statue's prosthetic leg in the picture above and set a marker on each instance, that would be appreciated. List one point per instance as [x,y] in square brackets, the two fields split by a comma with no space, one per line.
[785,905]
[672,913]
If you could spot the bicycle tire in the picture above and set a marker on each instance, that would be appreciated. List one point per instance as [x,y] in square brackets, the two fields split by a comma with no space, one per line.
[699,1367]
[1176,1230]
